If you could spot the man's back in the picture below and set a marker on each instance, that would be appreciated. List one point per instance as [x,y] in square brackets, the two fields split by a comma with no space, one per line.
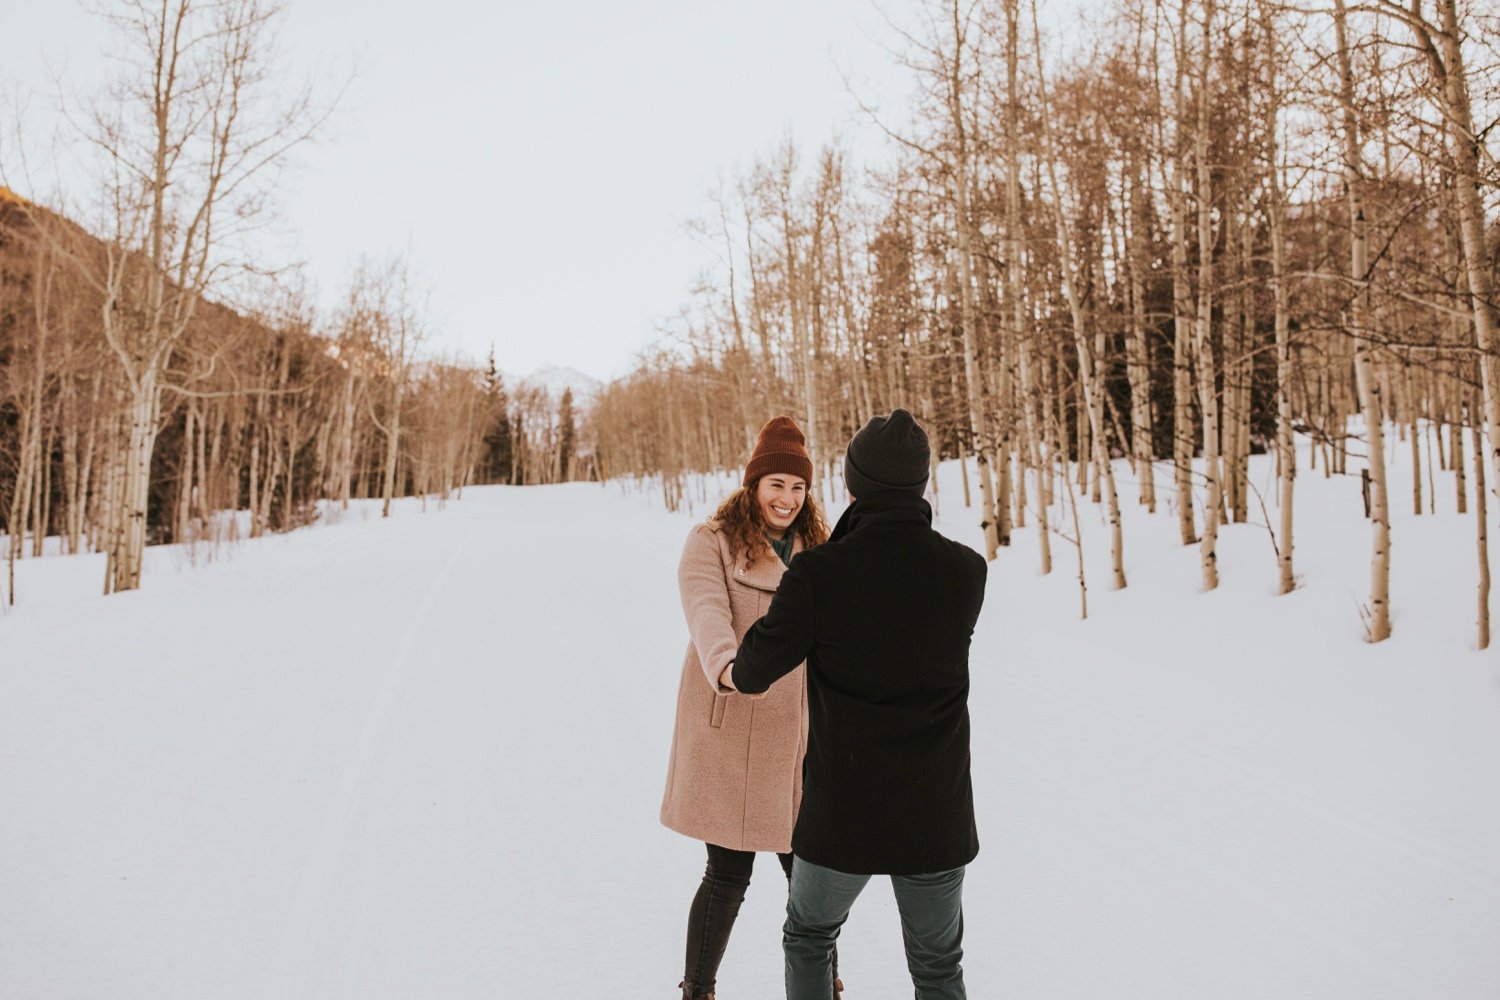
[888,608]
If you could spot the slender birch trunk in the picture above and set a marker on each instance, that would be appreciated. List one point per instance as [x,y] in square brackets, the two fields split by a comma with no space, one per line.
[1015,293]
[1358,321]
[1182,322]
[68,412]
[1412,415]
[392,443]
[1080,338]
[185,477]
[1481,518]
[1139,363]
[983,456]
[1456,460]
[963,437]
[1446,58]
[1286,452]
[1243,369]
[1208,401]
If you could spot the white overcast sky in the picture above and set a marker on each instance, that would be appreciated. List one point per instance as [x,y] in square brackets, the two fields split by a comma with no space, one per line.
[538,159]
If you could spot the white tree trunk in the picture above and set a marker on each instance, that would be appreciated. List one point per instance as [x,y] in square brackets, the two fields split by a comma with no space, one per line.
[1366,376]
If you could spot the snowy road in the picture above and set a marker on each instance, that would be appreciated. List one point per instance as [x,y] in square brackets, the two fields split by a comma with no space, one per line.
[422,759]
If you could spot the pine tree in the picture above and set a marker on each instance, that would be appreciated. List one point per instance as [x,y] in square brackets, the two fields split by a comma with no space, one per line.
[567,434]
[498,463]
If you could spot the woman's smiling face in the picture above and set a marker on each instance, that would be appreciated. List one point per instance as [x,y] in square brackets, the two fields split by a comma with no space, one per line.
[780,498]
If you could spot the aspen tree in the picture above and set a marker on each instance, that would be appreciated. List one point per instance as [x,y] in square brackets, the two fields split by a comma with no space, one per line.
[1036,443]
[743,379]
[1434,444]
[1240,359]
[1286,453]
[30,404]
[955,83]
[1457,462]
[962,437]
[79,450]
[187,164]
[1077,540]
[354,352]
[1408,397]
[798,291]
[1182,321]
[1443,46]
[1096,398]
[1481,523]
[1139,365]
[1080,340]
[1359,326]
[759,318]
[1240,374]
[815,278]
[1083,444]
[398,332]
[181,528]
[1208,401]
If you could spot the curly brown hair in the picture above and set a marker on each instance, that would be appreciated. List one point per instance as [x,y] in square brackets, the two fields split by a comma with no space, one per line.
[740,518]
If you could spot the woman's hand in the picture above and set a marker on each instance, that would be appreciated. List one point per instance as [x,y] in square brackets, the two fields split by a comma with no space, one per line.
[726,677]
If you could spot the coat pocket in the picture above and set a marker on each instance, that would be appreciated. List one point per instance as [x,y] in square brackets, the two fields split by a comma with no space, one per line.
[716,718]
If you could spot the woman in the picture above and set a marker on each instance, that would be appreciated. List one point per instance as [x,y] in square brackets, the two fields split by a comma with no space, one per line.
[735,779]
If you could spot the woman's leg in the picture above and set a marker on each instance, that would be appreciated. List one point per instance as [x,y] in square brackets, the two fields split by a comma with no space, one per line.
[786,866]
[711,917]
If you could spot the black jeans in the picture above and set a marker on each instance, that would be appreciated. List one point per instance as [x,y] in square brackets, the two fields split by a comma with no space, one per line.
[712,915]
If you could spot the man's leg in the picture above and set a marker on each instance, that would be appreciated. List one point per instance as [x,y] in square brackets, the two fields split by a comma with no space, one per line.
[932,922]
[786,865]
[817,907]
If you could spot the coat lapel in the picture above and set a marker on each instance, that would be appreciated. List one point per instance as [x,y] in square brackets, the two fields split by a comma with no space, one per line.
[764,573]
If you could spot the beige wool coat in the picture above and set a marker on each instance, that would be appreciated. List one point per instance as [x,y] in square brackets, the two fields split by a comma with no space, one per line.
[735,776]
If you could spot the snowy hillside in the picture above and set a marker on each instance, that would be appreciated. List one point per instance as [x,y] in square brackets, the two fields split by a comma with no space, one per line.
[423,758]
[556,379]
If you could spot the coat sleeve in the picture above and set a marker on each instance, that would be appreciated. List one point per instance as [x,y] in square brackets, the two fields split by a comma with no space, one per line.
[782,639]
[705,602]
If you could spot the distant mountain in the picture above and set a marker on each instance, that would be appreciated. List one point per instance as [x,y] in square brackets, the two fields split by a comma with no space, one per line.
[556,378]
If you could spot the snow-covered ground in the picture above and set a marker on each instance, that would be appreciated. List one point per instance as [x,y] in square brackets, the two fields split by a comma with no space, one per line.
[422,758]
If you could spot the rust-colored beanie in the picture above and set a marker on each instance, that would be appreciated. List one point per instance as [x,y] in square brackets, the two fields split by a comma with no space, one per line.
[779,447]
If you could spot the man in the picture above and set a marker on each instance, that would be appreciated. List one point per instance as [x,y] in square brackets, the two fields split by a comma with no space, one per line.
[882,614]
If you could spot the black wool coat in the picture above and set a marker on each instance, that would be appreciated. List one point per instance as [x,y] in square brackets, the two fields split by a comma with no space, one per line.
[883,614]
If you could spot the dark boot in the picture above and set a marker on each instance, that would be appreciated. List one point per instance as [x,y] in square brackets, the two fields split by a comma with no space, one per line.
[688,994]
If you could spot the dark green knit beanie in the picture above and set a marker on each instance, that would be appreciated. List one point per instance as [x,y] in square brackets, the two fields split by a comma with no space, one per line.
[888,453]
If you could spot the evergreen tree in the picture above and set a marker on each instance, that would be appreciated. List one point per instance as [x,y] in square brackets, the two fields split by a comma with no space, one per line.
[567,434]
[498,461]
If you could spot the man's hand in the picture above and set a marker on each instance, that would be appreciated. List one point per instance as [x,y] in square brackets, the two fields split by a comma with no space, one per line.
[726,677]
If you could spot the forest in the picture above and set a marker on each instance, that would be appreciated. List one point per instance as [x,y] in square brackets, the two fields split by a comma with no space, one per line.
[1212,230]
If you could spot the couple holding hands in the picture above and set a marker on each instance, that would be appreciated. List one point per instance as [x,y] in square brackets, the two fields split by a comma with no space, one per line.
[823,709]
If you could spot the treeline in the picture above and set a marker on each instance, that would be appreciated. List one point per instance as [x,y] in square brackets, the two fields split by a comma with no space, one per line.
[266,412]
[1215,226]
